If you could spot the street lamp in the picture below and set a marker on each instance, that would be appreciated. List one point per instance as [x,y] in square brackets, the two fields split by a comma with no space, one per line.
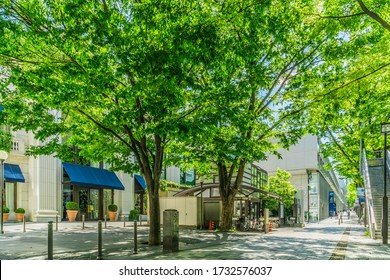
[3,157]
[385,129]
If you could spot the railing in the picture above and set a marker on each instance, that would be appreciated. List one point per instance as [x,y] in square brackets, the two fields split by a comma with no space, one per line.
[368,193]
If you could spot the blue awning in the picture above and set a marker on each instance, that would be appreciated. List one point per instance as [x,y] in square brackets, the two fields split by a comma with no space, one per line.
[92,177]
[12,173]
[139,184]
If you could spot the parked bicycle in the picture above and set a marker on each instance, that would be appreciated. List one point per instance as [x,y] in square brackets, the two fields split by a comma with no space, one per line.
[256,224]
[242,224]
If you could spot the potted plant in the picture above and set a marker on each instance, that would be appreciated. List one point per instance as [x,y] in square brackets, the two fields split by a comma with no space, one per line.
[134,215]
[5,213]
[19,213]
[112,209]
[71,210]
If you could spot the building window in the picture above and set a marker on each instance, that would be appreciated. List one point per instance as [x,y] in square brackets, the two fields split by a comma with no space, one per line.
[10,196]
[187,177]
[15,146]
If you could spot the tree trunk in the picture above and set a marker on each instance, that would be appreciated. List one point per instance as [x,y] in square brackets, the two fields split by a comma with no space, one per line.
[154,218]
[227,212]
[228,191]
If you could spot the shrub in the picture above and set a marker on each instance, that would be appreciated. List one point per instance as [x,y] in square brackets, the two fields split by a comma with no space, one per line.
[5,209]
[112,208]
[134,215]
[20,211]
[72,205]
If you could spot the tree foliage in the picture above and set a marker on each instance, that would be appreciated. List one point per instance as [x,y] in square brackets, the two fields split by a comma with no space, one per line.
[360,94]
[213,83]
[352,194]
[275,62]
[280,184]
[113,78]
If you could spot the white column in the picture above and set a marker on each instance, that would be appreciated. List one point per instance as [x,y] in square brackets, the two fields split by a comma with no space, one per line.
[46,185]
[126,197]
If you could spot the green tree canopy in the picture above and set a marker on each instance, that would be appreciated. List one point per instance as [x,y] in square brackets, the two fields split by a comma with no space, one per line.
[360,99]
[115,78]
[280,184]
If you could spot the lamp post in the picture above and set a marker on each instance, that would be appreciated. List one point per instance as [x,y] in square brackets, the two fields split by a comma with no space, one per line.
[3,157]
[385,129]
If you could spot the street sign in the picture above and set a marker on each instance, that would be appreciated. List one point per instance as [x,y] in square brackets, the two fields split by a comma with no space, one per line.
[385,128]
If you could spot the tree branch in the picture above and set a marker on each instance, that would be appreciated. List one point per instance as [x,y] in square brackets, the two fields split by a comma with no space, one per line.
[105,128]
[343,152]
[341,17]
[373,15]
[355,80]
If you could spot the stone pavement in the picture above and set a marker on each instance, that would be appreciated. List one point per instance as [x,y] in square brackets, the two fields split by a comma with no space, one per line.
[316,241]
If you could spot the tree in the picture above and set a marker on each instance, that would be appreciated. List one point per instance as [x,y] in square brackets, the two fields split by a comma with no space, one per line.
[272,60]
[280,184]
[343,123]
[113,78]
[352,194]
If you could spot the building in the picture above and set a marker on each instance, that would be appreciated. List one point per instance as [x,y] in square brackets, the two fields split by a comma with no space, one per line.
[42,185]
[320,193]
[201,203]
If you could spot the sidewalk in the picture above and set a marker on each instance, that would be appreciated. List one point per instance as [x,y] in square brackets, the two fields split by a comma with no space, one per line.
[316,241]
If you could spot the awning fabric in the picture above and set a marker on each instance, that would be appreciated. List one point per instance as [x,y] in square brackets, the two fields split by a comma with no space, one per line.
[12,173]
[92,177]
[139,184]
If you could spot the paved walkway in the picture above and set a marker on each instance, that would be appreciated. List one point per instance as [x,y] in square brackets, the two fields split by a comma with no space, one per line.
[316,241]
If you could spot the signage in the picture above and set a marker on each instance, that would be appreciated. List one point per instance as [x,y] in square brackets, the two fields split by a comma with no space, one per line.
[360,192]
[385,128]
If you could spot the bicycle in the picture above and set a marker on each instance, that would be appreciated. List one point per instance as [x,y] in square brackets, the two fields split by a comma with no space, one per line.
[243,224]
[256,224]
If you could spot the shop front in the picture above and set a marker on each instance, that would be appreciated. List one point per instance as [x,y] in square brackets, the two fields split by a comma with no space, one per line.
[92,188]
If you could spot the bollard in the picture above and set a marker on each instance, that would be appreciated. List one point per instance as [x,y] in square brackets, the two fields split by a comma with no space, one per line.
[56,222]
[24,224]
[100,241]
[50,241]
[135,238]
[105,221]
[83,219]
[266,220]
[124,221]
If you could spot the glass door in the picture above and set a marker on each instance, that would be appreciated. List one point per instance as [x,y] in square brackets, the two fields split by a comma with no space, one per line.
[83,202]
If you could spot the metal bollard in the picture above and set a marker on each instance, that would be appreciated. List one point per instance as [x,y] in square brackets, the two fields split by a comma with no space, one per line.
[100,241]
[124,221]
[24,224]
[56,222]
[83,219]
[105,221]
[50,241]
[135,238]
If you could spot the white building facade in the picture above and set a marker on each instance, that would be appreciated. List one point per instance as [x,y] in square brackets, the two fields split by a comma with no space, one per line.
[47,186]
[320,193]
